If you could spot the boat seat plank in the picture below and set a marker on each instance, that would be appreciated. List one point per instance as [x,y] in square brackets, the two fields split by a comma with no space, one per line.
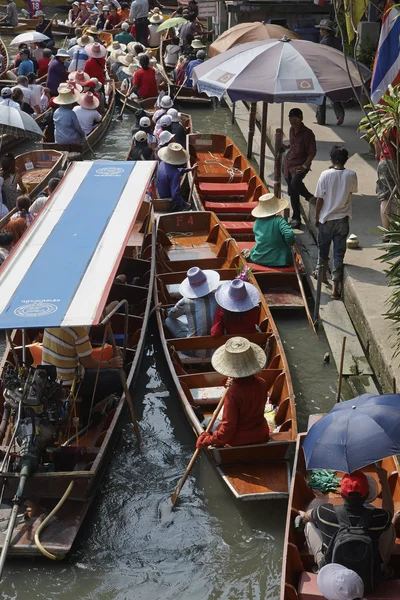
[276,449]
[230,207]
[207,341]
[223,189]
[257,481]
[238,226]
[308,589]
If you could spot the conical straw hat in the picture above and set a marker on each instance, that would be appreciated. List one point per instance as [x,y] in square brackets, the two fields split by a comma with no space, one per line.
[173,154]
[66,95]
[238,358]
[269,205]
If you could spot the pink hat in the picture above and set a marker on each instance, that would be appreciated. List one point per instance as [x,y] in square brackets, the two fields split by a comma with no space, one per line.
[88,100]
[79,77]
[95,50]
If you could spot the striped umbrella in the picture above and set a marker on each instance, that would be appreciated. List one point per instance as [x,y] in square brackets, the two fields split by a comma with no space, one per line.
[18,124]
[279,71]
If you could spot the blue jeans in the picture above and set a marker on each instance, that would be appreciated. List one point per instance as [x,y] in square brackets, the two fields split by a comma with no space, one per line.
[335,231]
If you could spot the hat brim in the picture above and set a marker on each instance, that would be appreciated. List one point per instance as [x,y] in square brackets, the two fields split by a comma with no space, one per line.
[111,49]
[72,77]
[60,101]
[91,40]
[92,54]
[325,581]
[224,300]
[171,105]
[324,27]
[81,102]
[173,158]
[238,365]
[261,211]
[373,489]
[210,285]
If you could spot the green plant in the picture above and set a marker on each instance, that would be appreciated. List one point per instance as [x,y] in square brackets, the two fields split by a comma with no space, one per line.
[382,118]
[366,52]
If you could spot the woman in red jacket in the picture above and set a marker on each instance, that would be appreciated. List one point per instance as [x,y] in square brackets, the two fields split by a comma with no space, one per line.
[96,63]
[243,419]
[238,308]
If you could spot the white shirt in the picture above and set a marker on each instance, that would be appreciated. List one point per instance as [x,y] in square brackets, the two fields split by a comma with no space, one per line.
[139,9]
[9,102]
[87,118]
[154,37]
[37,91]
[36,206]
[27,94]
[336,186]
[78,58]
[171,55]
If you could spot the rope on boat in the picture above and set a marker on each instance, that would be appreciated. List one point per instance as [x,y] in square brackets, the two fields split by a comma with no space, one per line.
[174,234]
[47,519]
[232,171]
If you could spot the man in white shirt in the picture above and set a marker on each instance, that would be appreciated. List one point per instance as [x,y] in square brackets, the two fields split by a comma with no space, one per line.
[22,83]
[334,191]
[6,98]
[37,91]
[86,112]
[138,14]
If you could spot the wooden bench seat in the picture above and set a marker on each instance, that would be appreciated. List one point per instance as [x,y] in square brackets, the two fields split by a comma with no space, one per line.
[230,207]
[238,226]
[308,589]
[223,189]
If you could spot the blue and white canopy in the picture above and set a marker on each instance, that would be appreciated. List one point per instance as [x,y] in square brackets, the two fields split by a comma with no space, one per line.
[61,271]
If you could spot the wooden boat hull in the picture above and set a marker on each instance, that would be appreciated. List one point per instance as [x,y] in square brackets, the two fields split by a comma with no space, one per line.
[6,60]
[148,105]
[297,563]
[254,472]
[94,137]
[37,167]
[98,443]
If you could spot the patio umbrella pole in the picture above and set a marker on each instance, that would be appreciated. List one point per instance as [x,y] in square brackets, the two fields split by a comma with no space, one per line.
[278,162]
[252,125]
[263,138]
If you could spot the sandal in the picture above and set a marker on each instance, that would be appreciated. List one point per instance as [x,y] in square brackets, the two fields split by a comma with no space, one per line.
[315,275]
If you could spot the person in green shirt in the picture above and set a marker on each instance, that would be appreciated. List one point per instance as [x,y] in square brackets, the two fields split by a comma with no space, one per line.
[273,235]
[124,37]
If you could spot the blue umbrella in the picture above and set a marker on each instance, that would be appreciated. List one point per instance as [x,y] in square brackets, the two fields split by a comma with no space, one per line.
[355,433]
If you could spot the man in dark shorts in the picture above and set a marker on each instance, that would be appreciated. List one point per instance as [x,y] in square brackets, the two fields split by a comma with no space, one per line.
[322,522]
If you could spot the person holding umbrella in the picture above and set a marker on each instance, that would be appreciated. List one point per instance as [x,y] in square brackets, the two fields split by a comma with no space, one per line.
[302,150]
[328,38]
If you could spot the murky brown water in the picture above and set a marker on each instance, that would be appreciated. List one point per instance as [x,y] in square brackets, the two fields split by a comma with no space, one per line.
[211,547]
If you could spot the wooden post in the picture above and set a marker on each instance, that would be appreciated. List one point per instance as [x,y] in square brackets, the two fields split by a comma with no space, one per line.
[252,126]
[278,162]
[318,296]
[263,138]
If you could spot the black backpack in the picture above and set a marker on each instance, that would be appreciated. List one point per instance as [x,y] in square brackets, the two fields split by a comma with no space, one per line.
[353,547]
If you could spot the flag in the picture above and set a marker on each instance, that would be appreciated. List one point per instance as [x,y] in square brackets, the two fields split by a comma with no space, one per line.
[387,60]
[354,10]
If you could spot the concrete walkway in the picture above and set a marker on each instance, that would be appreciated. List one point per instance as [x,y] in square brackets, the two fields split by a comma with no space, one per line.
[365,287]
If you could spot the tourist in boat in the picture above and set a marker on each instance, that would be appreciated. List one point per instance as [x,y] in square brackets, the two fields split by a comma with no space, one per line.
[165,125]
[238,308]
[6,98]
[336,582]
[45,99]
[41,200]
[96,63]
[173,161]
[114,19]
[138,14]
[44,62]
[144,80]
[154,38]
[10,181]
[23,204]
[74,12]
[102,18]
[17,228]
[166,103]
[334,191]
[11,17]
[200,58]
[177,128]
[74,40]
[44,26]
[140,149]
[197,304]
[78,54]
[124,37]
[18,97]
[26,65]
[94,85]
[79,79]
[66,125]
[87,113]
[243,420]
[58,72]
[302,150]
[273,236]
[84,19]
[171,53]
[37,91]
[28,95]
[145,125]
[6,242]
[68,349]
[165,138]
[322,522]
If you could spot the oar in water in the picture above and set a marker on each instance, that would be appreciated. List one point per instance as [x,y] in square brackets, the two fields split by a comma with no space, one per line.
[119,118]
[195,456]
[178,92]
[303,295]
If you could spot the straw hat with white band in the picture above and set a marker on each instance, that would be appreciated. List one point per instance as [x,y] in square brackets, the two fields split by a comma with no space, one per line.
[66,95]
[84,40]
[238,358]
[116,46]
[197,44]
[131,70]
[128,60]
[269,205]
[199,283]
[173,154]
[156,19]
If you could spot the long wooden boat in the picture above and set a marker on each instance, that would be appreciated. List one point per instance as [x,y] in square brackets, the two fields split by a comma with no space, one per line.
[183,94]
[9,141]
[253,472]
[226,183]
[37,167]
[298,580]
[94,136]
[6,60]
[131,104]
[186,121]
[97,257]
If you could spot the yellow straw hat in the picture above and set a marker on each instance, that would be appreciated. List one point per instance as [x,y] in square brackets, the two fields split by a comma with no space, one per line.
[238,358]
[269,205]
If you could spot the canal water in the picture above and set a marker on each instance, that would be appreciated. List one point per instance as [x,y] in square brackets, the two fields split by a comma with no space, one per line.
[211,547]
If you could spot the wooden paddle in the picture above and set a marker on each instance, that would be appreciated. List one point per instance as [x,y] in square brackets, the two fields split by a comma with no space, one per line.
[125,386]
[195,456]
[303,295]
[119,118]
[192,185]
[177,93]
